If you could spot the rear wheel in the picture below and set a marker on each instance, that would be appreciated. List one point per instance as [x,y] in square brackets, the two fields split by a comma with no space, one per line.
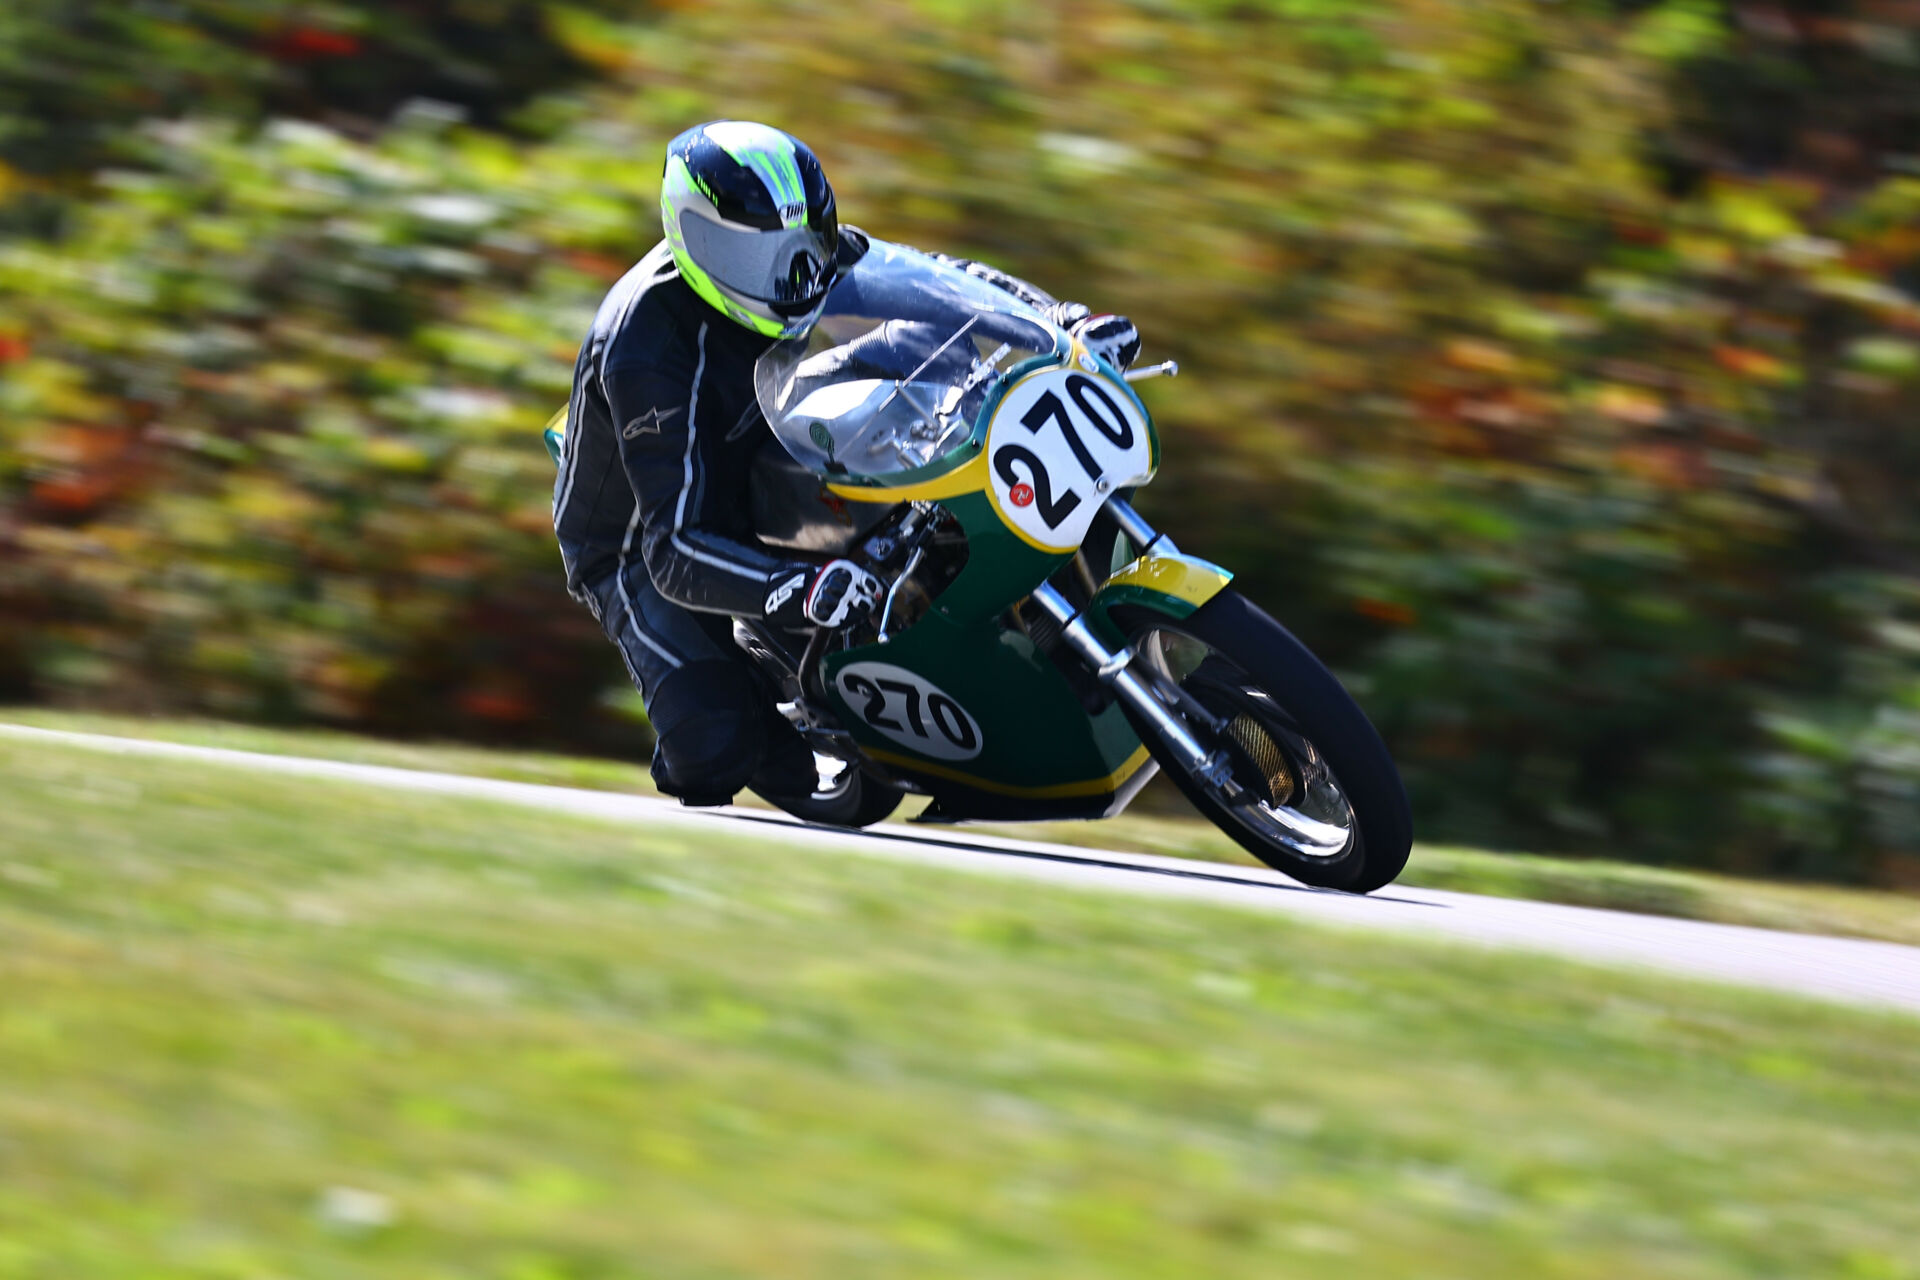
[1314,792]
[844,795]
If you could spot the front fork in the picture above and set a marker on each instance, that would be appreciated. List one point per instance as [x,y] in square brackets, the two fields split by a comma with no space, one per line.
[1151,704]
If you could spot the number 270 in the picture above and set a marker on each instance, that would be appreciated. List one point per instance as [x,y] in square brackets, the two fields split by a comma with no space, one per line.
[1107,419]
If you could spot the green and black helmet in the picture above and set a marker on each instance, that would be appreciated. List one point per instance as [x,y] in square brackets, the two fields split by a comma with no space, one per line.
[751,220]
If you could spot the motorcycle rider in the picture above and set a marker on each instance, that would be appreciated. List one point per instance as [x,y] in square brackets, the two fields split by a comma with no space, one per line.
[651,507]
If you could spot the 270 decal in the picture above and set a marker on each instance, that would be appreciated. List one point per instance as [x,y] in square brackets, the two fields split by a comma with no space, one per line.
[909,709]
[1059,443]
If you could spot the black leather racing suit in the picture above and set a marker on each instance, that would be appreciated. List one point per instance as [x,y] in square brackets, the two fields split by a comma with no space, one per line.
[652,514]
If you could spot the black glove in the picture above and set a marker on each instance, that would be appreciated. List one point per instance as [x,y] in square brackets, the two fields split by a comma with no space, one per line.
[834,594]
[1113,338]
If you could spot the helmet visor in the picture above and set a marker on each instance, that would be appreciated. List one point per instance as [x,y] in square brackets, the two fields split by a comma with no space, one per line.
[789,270]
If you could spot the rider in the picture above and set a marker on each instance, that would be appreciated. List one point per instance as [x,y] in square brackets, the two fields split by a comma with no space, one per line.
[651,505]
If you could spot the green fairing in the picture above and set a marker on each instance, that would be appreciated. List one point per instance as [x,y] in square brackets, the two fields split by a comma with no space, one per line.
[1001,566]
[1035,733]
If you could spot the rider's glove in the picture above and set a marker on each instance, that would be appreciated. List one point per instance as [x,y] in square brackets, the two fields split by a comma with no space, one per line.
[834,594]
[1108,336]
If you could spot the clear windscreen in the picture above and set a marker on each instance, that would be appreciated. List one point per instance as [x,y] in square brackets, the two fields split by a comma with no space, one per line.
[899,366]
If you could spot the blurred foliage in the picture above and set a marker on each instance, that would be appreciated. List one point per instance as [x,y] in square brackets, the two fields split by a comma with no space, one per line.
[74,76]
[1553,369]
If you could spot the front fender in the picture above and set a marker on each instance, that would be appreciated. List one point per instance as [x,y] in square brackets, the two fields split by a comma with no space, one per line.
[1167,582]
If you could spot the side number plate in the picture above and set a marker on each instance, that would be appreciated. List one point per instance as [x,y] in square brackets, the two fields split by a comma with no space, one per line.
[1061,441]
[909,709]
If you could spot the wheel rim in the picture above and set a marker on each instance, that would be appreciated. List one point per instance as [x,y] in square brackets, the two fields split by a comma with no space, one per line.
[1289,794]
[833,777]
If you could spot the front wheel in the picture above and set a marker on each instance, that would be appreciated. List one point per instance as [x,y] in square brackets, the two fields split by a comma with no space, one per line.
[1314,793]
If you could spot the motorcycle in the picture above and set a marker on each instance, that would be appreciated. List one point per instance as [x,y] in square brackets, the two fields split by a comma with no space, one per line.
[1041,650]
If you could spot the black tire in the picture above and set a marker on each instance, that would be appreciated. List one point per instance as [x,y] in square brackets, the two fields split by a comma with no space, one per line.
[859,799]
[1312,703]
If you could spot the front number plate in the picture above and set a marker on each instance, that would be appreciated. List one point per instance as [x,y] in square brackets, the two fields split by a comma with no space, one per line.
[1059,443]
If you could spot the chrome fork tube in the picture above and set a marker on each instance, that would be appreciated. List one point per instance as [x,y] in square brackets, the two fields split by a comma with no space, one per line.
[1110,665]
[1141,534]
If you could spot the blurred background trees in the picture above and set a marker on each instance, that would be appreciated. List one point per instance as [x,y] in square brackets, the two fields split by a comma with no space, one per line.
[1552,368]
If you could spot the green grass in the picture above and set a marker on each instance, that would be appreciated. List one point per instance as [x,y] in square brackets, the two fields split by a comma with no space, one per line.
[255,1026]
[1622,886]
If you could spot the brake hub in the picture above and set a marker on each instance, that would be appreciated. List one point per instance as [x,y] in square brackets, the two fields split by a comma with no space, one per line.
[1269,763]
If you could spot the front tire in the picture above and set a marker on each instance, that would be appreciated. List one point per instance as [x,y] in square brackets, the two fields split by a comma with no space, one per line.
[1320,798]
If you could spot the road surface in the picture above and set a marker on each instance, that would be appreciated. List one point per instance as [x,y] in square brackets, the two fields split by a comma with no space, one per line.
[1851,970]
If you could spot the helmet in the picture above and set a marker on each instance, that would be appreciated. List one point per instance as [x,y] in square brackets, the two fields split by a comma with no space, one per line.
[751,220]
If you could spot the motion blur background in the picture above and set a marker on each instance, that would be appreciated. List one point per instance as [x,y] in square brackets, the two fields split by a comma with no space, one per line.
[1552,368]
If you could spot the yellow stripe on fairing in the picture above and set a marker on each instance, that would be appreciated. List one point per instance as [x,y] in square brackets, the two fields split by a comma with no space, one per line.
[964,479]
[1058,791]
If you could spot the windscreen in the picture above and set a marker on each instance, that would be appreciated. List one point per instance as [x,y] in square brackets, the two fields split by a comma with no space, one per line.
[899,366]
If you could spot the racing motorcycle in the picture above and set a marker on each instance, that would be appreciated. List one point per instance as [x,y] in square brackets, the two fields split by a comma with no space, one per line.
[1041,650]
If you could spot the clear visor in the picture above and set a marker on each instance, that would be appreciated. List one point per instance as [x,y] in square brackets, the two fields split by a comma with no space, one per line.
[786,268]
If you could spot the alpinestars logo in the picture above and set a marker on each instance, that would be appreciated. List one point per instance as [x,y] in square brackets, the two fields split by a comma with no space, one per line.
[648,424]
[785,592]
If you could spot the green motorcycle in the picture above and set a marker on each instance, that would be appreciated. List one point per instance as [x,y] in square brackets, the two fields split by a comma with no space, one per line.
[1041,650]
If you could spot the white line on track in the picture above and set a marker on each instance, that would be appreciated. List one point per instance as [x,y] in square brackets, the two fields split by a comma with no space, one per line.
[1850,970]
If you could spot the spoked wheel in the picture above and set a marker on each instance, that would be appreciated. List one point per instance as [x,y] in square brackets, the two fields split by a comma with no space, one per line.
[1314,792]
[844,795]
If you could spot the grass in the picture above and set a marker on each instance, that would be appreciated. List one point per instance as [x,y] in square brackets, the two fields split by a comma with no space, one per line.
[1621,886]
[257,1026]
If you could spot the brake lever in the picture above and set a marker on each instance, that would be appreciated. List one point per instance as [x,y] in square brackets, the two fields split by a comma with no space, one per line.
[1166,368]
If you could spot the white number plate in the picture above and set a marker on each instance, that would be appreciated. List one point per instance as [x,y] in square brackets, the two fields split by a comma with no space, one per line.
[909,709]
[1059,443]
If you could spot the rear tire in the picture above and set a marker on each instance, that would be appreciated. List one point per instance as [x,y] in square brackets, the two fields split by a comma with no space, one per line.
[1307,723]
[854,799]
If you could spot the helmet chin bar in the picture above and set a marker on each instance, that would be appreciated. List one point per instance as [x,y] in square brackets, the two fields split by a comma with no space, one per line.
[758,314]
[806,277]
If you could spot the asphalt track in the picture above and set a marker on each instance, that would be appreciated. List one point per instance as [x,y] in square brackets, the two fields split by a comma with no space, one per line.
[1849,970]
